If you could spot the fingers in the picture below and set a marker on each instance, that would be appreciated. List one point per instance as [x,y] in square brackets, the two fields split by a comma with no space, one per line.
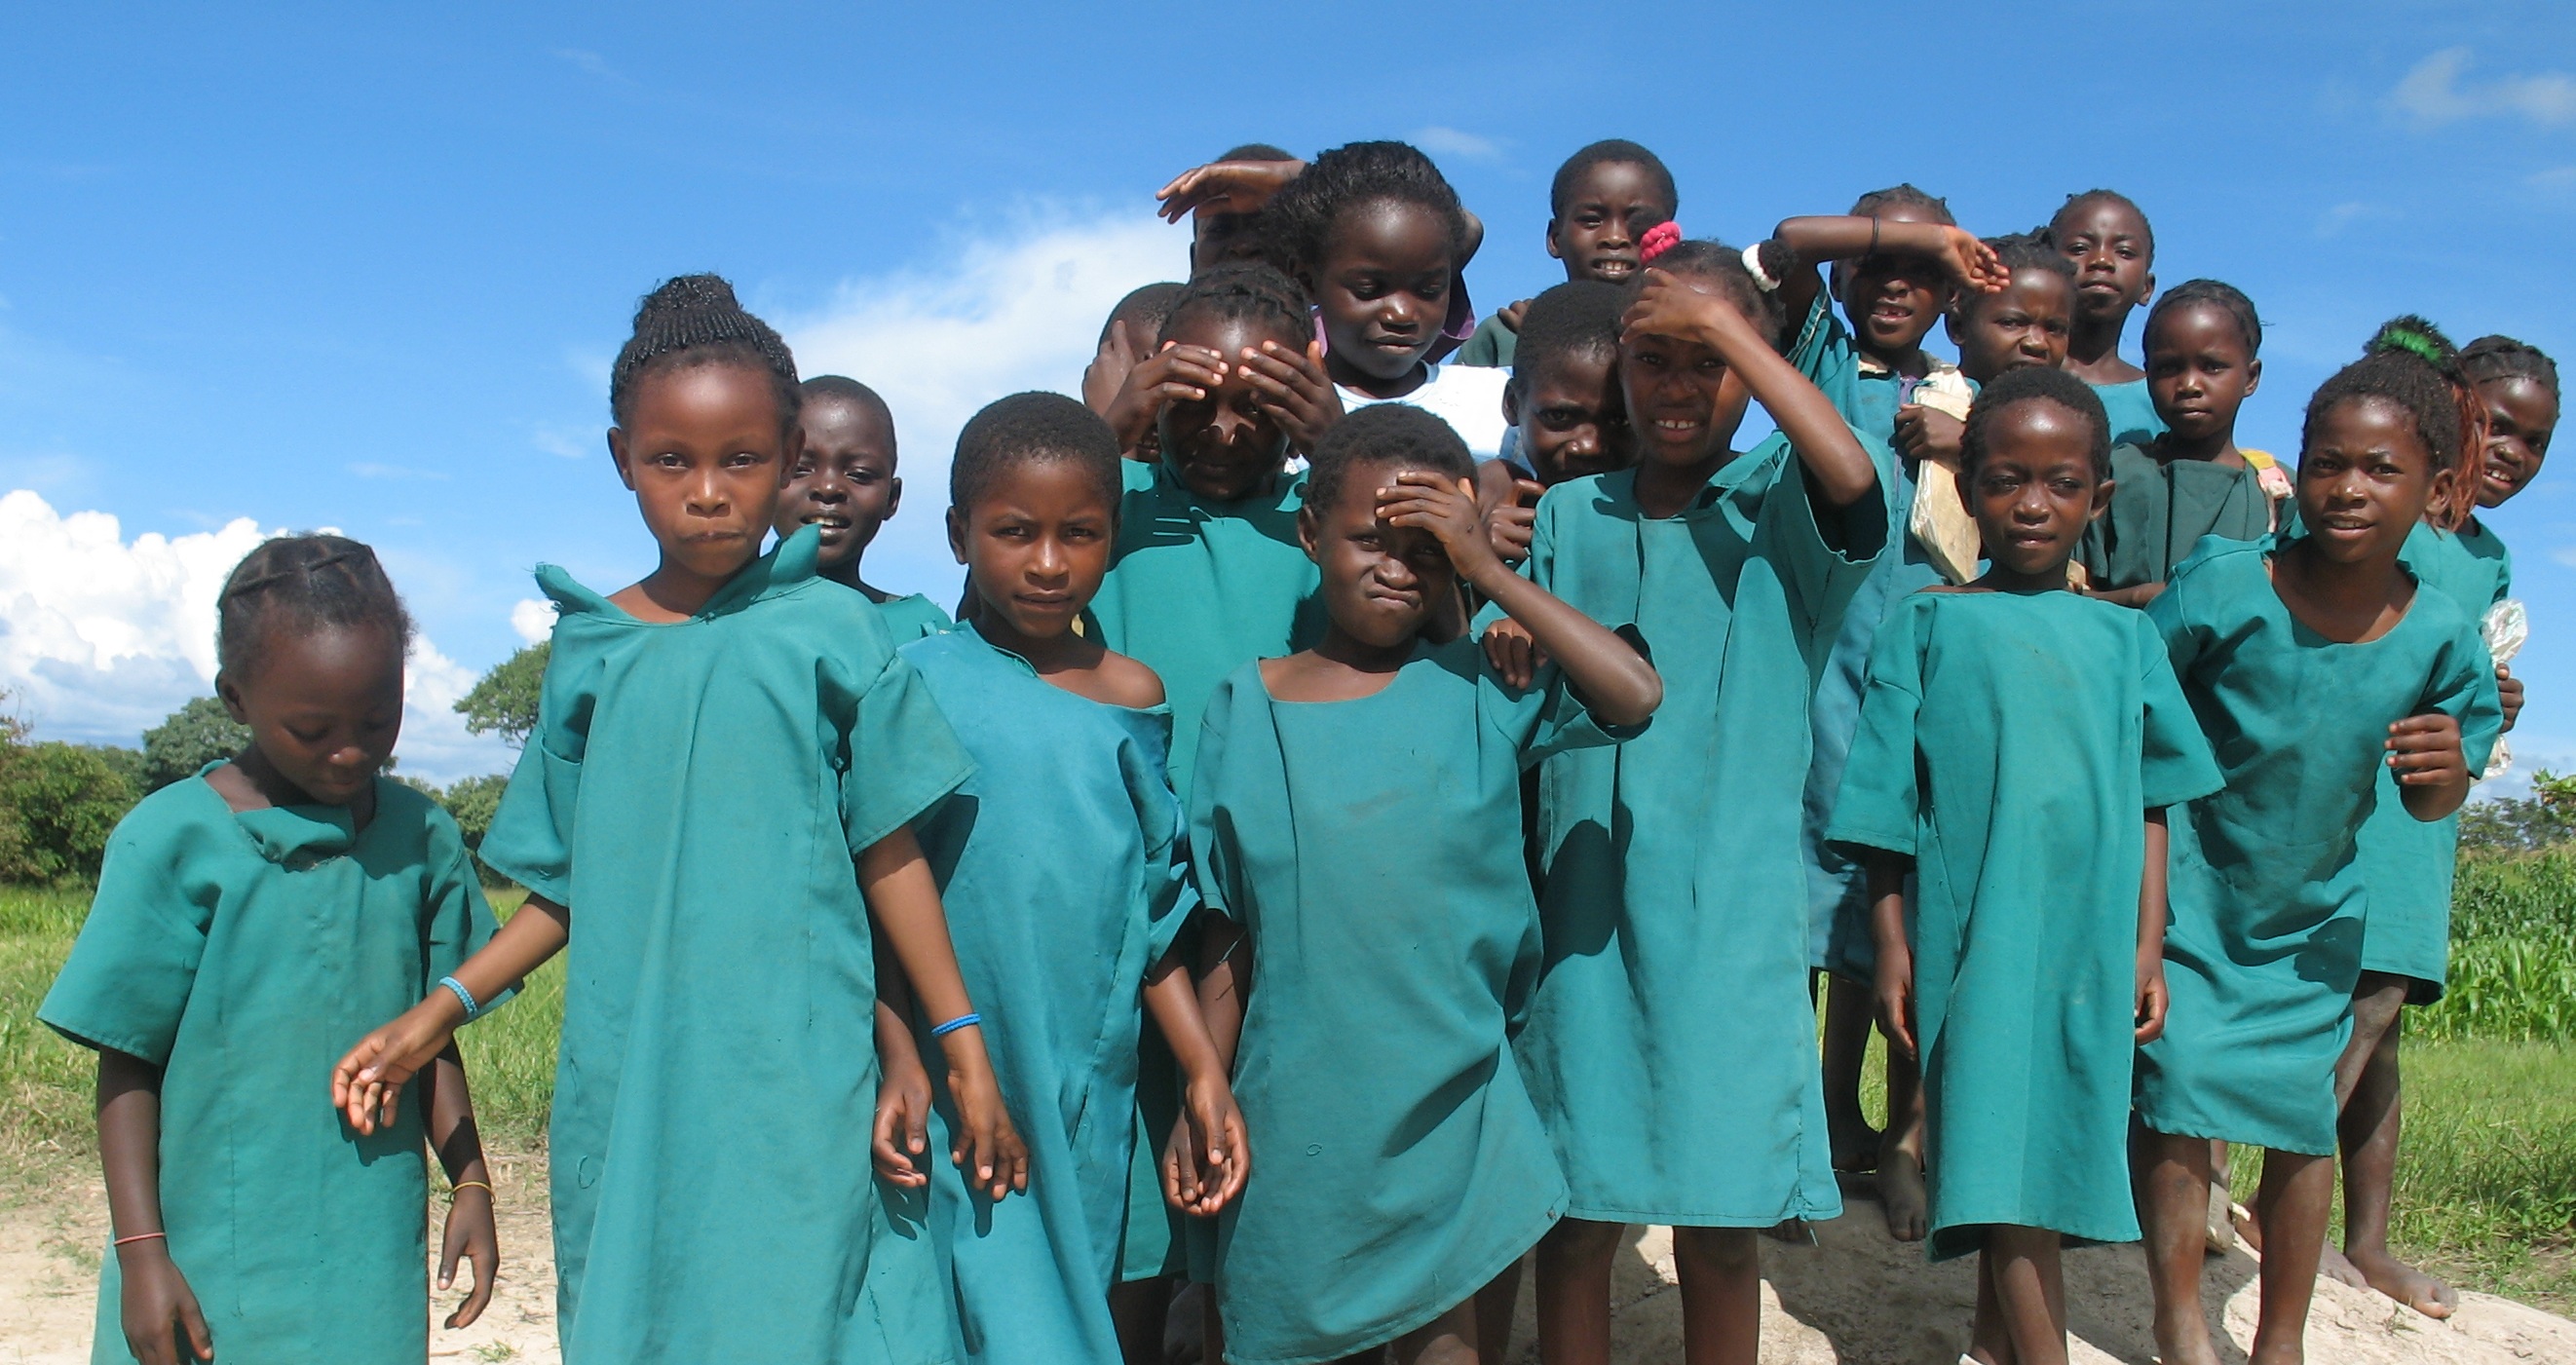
[486,1259]
[201,1342]
[1237,1145]
[892,1141]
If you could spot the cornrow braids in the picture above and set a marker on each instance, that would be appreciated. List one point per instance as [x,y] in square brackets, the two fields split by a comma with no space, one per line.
[1705,258]
[1904,196]
[1304,215]
[2207,294]
[1384,434]
[1032,428]
[305,584]
[2501,357]
[1610,151]
[1244,292]
[695,320]
[2029,251]
[2054,239]
[2035,384]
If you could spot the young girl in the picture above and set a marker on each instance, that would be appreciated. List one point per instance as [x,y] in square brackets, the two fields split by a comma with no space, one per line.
[715,746]
[2020,743]
[2203,346]
[1356,809]
[844,485]
[2114,253]
[2310,663]
[1059,864]
[248,922]
[1566,409]
[2026,322]
[1671,1045]
[1600,206]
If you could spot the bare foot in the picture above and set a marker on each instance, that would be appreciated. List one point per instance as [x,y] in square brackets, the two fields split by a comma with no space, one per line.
[2396,1279]
[2222,1228]
[1901,1196]
[1794,1231]
[1854,1142]
[2334,1265]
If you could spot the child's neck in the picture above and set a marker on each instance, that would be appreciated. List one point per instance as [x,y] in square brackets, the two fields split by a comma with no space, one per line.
[1910,361]
[672,592]
[250,782]
[1061,652]
[847,575]
[2093,351]
[2219,449]
[2000,577]
[2346,603]
[1666,490]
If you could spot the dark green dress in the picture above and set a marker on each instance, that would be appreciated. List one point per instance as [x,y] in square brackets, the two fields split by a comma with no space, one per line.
[2161,509]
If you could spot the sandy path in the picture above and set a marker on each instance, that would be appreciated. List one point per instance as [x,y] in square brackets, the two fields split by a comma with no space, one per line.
[1855,1298]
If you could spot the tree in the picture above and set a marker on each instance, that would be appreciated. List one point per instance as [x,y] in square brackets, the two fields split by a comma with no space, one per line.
[195,735]
[58,804]
[504,701]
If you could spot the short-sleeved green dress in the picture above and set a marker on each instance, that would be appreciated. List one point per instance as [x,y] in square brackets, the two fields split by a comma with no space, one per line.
[2407,863]
[1370,849]
[2267,890]
[2132,411]
[243,953]
[1059,866]
[696,792]
[910,618]
[2010,746]
[2161,509]
[1672,1045]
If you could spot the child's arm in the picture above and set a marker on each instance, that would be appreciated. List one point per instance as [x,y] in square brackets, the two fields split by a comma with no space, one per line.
[156,1304]
[1295,391]
[905,900]
[1846,237]
[470,1234]
[2432,773]
[1210,1132]
[367,1084]
[2151,998]
[1229,186]
[1895,985]
[1837,468]
[1224,976]
[1174,372]
[1617,684]
[902,1130]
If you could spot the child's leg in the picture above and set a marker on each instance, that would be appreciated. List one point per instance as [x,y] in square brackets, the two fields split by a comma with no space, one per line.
[1989,1340]
[1901,1195]
[2018,1273]
[2373,1114]
[1449,1339]
[2171,1176]
[2296,1199]
[1574,1261]
[1494,1306]
[1139,1308]
[1848,1013]
[1721,1271]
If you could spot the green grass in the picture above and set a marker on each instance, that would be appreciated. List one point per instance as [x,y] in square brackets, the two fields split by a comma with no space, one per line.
[2513,954]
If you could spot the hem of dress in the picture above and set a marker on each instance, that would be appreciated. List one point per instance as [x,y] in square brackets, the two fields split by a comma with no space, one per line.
[1378,1336]
[2202,1128]
[2420,989]
[1937,1249]
[1808,1210]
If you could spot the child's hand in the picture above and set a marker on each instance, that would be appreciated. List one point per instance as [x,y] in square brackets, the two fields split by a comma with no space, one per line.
[163,1324]
[2425,751]
[1209,1155]
[367,1085]
[987,1146]
[1668,306]
[1295,391]
[2509,692]
[1510,314]
[1514,524]
[1515,656]
[1972,262]
[1895,992]
[1175,372]
[1107,373]
[1447,510]
[1929,434]
[2151,999]
[902,1132]
[472,1237]
[1228,186]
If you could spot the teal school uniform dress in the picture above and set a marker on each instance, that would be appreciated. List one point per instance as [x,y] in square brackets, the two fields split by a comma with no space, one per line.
[696,792]
[1492,346]
[2267,891]
[2162,509]
[2011,745]
[910,618]
[1370,850]
[2407,863]
[2132,412]
[1059,864]
[243,953]
[1671,1045]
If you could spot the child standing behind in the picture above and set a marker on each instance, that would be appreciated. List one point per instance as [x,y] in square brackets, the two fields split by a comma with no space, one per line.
[1599,207]
[844,485]
[2310,663]
[2114,252]
[1564,404]
[248,922]
[2020,744]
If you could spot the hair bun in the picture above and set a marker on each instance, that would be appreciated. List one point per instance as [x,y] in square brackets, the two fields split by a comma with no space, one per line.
[2415,336]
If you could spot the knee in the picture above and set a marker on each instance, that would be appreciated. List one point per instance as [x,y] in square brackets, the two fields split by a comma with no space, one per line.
[1581,1240]
[1725,1251]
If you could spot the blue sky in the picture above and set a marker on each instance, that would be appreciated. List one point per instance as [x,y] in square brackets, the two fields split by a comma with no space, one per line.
[365,268]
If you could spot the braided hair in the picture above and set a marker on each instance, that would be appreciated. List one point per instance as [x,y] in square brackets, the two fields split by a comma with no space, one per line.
[2411,364]
[1712,261]
[2035,384]
[304,584]
[1304,215]
[1245,291]
[1032,428]
[2490,358]
[695,320]
[1904,196]
[1613,151]
[1384,434]
[2217,294]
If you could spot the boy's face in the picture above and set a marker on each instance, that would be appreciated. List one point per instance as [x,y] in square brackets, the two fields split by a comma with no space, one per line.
[2035,490]
[2198,372]
[1683,401]
[1892,299]
[705,456]
[1218,237]
[324,707]
[1036,545]
[2521,415]
[1379,581]
[1607,209]
[2114,258]
[2024,324]
[1571,415]
[844,482]
[2365,480]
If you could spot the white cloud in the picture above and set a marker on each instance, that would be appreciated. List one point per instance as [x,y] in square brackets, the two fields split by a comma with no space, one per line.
[1013,312]
[2555,178]
[567,442]
[2333,221]
[1443,141]
[534,619]
[101,637]
[2435,93]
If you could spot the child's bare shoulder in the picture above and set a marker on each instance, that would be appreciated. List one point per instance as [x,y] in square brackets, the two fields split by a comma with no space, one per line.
[1128,682]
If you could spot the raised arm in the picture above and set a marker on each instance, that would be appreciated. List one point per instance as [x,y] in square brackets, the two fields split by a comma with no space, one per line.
[367,1084]
[1839,470]
[1816,241]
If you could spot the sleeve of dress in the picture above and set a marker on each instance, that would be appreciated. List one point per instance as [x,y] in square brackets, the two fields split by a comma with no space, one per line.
[1169,894]
[903,757]
[530,841]
[2175,761]
[2172,614]
[1213,861]
[1548,717]
[457,919]
[2463,686]
[1821,573]
[1880,804]
[127,982]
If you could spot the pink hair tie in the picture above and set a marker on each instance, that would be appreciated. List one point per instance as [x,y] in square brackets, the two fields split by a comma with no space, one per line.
[1660,238]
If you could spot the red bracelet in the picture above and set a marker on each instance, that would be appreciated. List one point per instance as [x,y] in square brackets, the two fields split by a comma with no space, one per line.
[139,1237]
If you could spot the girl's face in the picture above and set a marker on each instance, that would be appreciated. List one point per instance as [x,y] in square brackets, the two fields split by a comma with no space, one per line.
[844,481]
[1892,299]
[2025,324]
[1036,545]
[1606,210]
[1383,288]
[1223,447]
[2521,415]
[2113,257]
[2035,490]
[2198,371]
[705,453]
[1684,403]
[2365,480]
[1572,418]
[1380,581]
[324,707]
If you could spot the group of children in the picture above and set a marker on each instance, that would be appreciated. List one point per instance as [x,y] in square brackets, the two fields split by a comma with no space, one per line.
[1465,757]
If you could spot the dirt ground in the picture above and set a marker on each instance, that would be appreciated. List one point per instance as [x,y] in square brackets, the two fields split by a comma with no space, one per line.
[1856,1297]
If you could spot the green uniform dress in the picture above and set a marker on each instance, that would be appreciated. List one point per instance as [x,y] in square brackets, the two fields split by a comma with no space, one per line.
[1671,1045]
[2011,745]
[1370,850]
[2132,412]
[910,618]
[1195,590]
[2160,510]
[1491,347]
[695,792]
[243,953]
[2267,894]
[2407,863]
[1058,864]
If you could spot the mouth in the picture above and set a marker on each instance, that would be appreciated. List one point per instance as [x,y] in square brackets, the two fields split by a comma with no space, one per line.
[1391,344]
[833,524]
[712,538]
[1891,312]
[1677,428]
[1613,268]
[2344,525]
[1044,603]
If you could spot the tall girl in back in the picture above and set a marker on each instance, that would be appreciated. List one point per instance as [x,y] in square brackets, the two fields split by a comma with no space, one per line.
[248,922]
[2311,663]
[1671,1046]
[2114,251]
[1355,813]
[727,758]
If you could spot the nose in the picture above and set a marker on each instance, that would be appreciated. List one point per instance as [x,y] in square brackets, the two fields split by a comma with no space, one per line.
[1047,561]
[2034,341]
[1585,442]
[1402,311]
[828,486]
[1228,424]
[707,498]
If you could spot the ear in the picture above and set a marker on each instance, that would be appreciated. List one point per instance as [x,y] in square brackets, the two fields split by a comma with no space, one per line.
[2101,499]
[617,456]
[2253,376]
[2438,495]
[231,698]
[894,496]
[1512,391]
[957,534]
[1555,252]
[1309,535]
[2147,290]
[789,452]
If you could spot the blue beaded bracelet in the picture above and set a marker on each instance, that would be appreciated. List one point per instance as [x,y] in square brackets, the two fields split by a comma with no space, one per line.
[961,1021]
[463,997]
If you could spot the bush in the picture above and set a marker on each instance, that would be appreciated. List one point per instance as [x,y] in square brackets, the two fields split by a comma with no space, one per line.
[2513,951]
[504,701]
[58,804]
[195,735]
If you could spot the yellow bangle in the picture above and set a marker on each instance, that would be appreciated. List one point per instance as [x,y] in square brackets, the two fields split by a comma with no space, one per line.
[485,1187]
